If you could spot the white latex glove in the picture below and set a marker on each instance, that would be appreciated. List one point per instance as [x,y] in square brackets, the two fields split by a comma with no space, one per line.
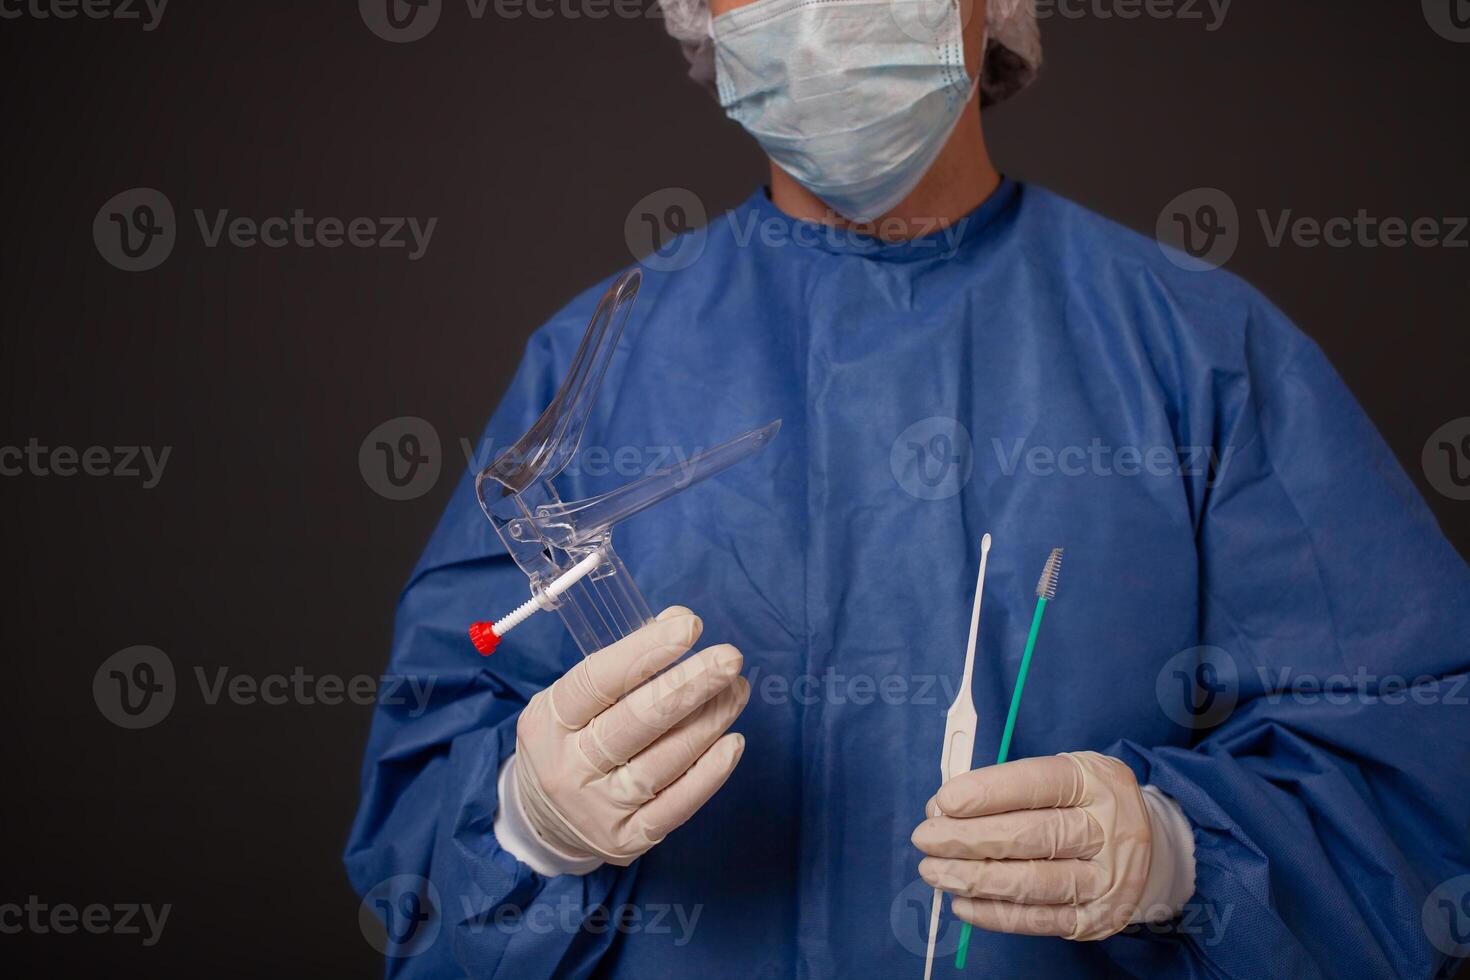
[1061,845]
[608,761]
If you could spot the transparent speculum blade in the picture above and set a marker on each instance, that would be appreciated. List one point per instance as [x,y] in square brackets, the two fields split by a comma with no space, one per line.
[547,536]
[546,447]
[571,524]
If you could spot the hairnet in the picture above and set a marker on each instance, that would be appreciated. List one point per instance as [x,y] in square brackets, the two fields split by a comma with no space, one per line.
[1012,54]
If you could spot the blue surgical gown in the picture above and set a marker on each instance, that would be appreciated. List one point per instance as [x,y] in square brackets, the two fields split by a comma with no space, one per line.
[1041,374]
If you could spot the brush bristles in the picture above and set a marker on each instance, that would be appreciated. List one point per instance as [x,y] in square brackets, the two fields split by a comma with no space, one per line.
[1046,587]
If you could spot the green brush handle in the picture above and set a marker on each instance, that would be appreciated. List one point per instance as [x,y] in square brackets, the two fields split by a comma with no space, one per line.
[1005,745]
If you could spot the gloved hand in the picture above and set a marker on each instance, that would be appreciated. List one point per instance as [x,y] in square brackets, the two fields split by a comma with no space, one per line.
[1056,846]
[608,761]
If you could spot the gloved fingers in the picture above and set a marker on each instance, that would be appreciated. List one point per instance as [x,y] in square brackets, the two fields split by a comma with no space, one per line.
[631,725]
[1026,784]
[671,755]
[598,681]
[1048,834]
[1022,920]
[680,799]
[1065,882]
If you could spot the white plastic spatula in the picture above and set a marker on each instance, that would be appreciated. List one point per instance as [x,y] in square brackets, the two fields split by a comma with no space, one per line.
[959,733]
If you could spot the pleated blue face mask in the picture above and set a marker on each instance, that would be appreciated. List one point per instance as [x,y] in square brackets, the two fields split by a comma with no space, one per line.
[852,98]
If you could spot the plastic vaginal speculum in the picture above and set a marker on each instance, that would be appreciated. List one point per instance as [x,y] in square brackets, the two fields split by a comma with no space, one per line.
[546,536]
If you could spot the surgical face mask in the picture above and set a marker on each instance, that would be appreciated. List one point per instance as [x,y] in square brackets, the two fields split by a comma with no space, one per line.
[852,98]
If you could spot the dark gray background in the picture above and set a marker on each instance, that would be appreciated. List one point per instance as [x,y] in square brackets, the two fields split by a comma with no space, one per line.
[263,548]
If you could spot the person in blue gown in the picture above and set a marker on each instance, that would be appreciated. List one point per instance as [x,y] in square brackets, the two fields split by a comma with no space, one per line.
[1258,617]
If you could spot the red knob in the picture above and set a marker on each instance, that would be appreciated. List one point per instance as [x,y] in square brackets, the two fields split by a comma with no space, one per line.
[484,637]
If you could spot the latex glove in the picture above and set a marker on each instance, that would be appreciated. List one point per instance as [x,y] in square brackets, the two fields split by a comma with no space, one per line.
[608,761]
[1055,846]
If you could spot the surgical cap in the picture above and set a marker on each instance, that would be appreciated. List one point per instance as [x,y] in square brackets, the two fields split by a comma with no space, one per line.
[1012,54]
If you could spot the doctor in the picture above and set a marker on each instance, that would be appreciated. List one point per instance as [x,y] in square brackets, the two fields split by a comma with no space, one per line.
[953,353]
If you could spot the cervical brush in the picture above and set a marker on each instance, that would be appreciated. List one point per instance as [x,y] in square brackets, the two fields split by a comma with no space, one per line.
[1046,591]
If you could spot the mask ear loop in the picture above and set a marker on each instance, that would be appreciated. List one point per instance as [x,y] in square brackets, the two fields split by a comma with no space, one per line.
[980,66]
[984,49]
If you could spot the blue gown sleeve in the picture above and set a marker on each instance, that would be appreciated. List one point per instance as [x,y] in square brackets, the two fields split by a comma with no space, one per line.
[1322,822]
[429,777]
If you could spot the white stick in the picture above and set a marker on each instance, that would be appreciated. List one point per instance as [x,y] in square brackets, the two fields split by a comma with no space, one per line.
[959,731]
[563,582]
[933,934]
